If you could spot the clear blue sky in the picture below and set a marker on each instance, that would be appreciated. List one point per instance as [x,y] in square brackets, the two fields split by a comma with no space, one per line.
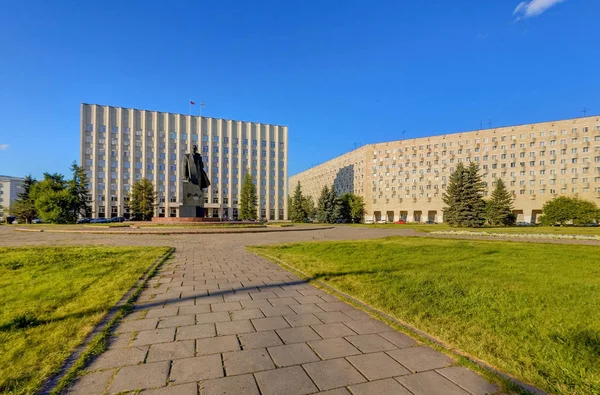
[337,72]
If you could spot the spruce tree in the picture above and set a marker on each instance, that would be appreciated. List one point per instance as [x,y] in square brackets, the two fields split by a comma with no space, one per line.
[464,197]
[322,205]
[309,206]
[333,212]
[500,206]
[24,206]
[298,212]
[142,200]
[248,199]
[78,189]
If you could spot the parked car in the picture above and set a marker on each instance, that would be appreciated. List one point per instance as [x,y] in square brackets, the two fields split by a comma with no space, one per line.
[369,221]
[400,222]
[83,221]
[11,220]
[430,222]
[117,219]
[524,224]
[100,221]
[382,221]
[37,221]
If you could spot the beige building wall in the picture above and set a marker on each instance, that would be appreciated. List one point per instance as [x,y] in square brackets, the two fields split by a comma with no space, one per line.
[122,145]
[10,187]
[405,179]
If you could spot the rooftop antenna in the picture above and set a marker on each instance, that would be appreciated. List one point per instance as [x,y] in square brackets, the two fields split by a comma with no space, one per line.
[403,134]
[585,110]
[489,123]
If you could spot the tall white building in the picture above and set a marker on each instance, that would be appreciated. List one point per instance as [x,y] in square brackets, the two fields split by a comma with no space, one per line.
[10,187]
[122,145]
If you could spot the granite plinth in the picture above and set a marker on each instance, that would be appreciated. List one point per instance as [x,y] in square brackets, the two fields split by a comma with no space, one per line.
[183,220]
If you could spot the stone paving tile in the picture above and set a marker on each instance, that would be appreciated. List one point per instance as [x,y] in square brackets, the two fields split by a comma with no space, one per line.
[333,348]
[262,295]
[209,318]
[330,317]
[302,320]
[194,309]
[265,324]
[370,343]
[182,389]
[400,340]
[196,369]
[338,391]
[209,299]
[170,351]
[333,373]
[357,314]
[306,308]
[199,331]
[419,359]
[297,335]
[226,306]
[255,304]
[380,387]
[178,320]
[368,326]
[119,357]
[91,384]
[149,375]
[120,340]
[283,301]
[247,361]
[277,311]
[286,381]
[234,327]
[292,354]
[468,380]
[430,383]
[143,338]
[246,314]
[377,366]
[137,325]
[310,299]
[236,385]
[217,345]
[333,330]
[162,312]
[260,340]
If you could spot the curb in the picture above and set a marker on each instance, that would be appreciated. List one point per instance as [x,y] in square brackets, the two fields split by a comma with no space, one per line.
[163,233]
[54,385]
[409,328]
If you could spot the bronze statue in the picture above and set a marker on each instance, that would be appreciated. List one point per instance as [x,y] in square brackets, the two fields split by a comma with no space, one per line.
[194,181]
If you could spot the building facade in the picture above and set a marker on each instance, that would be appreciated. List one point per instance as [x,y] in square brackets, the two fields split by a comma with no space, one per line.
[120,146]
[10,187]
[406,179]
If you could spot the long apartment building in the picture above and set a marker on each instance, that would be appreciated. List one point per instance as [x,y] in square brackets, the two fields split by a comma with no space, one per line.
[406,179]
[120,146]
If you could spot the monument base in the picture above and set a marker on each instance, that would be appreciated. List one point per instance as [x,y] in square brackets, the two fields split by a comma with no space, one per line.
[179,220]
[187,211]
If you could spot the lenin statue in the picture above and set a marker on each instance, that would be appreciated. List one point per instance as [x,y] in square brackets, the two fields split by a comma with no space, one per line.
[194,181]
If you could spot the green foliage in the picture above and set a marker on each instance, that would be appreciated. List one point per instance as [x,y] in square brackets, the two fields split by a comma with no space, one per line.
[323,211]
[52,199]
[465,206]
[562,210]
[309,206]
[52,297]
[24,207]
[142,200]
[500,206]
[357,208]
[332,208]
[248,199]
[298,212]
[529,309]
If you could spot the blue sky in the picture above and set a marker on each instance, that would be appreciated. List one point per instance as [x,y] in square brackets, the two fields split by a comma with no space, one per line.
[338,73]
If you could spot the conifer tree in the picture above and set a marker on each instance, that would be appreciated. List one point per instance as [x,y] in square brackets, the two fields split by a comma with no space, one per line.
[78,189]
[298,212]
[24,206]
[500,206]
[463,197]
[248,199]
[322,205]
[142,200]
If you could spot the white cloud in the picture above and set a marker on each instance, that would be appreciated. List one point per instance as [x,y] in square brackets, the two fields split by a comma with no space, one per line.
[3,147]
[529,8]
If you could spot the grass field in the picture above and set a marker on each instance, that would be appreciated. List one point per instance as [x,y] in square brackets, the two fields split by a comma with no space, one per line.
[51,298]
[564,230]
[529,309]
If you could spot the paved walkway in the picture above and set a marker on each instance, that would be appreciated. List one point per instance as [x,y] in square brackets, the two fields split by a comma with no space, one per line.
[220,320]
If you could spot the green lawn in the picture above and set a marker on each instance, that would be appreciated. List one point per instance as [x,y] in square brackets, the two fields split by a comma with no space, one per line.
[564,230]
[531,310]
[51,298]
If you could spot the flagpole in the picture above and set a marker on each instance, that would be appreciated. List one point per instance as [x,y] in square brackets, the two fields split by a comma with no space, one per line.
[190,108]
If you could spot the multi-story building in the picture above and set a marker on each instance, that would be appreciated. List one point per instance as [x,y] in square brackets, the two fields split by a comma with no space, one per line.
[120,146]
[10,187]
[406,179]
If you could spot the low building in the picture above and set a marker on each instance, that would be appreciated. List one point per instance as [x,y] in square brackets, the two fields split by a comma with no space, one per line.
[405,179]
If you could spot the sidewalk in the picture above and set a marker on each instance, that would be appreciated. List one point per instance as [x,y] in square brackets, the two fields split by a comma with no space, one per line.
[220,320]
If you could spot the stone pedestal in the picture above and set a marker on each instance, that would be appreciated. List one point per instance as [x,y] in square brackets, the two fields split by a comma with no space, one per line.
[193,201]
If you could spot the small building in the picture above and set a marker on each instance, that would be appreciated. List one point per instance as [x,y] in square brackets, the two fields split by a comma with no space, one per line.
[10,187]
